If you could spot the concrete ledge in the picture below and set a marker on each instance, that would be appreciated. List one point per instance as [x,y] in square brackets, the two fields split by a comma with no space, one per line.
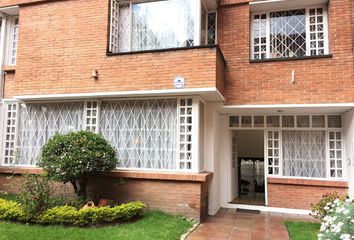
[154,175]
[308,182]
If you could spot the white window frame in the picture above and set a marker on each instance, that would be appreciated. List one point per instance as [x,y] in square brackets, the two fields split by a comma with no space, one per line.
[114,48]
[308,51]
[195,161]
[9,40]
[280,128]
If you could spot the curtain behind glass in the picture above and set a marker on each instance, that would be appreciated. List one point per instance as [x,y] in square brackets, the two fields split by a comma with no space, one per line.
[304,153]
[158,25]
[40,121]
[144,132]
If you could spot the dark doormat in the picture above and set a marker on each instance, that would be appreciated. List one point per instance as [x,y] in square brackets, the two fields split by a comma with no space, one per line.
[240,210]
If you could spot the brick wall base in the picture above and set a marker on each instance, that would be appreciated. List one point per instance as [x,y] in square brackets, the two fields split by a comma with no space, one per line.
[189,199]
[299,193]
[181,194]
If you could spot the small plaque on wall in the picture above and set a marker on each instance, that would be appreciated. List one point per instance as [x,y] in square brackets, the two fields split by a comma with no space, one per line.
[179,82]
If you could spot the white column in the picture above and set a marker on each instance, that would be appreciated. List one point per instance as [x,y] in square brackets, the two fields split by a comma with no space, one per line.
[348,132]
[212,157]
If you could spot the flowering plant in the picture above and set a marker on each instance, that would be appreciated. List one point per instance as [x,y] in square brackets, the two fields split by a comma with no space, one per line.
[338,224]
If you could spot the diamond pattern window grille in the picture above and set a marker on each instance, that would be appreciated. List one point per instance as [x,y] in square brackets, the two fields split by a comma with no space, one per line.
[273,152]
[291,33]
[185,134]
[317,31]
[211,28]
[40,121]
[304,153]
[10,133]
[91,116]
[153,25]
[288,34]
[144,132]
[335,154]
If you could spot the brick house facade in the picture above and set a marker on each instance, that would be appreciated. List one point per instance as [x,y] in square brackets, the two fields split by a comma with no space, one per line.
[264,118]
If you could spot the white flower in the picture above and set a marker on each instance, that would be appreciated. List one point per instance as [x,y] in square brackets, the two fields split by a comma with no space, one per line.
[345,237]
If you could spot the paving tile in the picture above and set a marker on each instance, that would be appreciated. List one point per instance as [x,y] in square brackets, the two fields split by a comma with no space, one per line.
[228,224]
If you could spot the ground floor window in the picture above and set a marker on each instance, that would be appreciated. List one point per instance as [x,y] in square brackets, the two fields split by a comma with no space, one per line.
[147,134]
[304,153]
[309,146]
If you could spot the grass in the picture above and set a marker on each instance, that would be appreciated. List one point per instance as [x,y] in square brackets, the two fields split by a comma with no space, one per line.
[7,196]
[302,230]
[154,225]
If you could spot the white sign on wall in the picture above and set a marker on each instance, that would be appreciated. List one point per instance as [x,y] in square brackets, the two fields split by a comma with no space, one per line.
[179,82]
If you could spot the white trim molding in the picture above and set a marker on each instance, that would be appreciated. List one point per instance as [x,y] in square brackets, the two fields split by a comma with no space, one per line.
[208,94]
[320,108]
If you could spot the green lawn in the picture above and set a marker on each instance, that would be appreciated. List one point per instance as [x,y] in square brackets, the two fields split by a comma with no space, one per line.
[302,230]
[155,225]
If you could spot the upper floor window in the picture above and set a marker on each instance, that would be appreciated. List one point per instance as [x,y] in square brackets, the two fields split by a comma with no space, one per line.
[160,25]
[13,41]
[292,33]
[9,39]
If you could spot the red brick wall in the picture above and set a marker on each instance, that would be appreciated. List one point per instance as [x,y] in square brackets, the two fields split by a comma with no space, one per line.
[181,194]
[177,197]
[299,194]
[61,43]
[317,81]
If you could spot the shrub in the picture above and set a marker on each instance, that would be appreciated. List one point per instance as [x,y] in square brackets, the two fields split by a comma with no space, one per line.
[68,215]
[76,156]
[59,215]
[339,221]
[320,209]
[35,194]
[76,202]
[11,210]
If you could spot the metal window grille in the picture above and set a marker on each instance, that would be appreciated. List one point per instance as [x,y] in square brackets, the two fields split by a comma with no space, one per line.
[91,116]
[10,133]
[335,154]
[211,28]
[124,28]
[185,159]
[304,153]
[38,122]
[291,33]
[14,42]
[144,132]
[316,19]
[273,152]
[141,26]
[288,34]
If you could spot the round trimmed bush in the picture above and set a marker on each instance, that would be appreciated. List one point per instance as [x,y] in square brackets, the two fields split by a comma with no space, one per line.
[75,156]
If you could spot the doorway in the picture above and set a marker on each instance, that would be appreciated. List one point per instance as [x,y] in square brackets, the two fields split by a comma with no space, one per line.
[248,160]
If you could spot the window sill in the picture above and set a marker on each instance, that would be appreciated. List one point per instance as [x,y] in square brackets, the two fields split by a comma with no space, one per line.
[110,54]
[308,182]
[9,68]
[291,59]
[152,175]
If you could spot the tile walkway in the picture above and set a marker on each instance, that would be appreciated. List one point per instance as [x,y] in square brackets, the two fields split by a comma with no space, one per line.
[228,224]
